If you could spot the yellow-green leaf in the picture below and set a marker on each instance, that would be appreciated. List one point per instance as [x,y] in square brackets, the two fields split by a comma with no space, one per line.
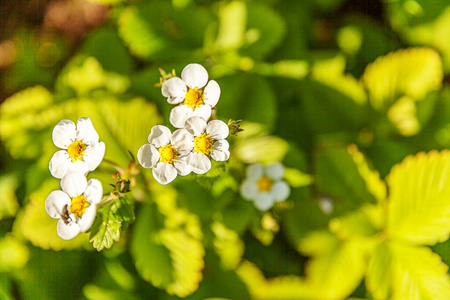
[227,244]
[13,254]
[419,200]
[412,72]
[379,272]
[8,204]
[264,149]
[418,274]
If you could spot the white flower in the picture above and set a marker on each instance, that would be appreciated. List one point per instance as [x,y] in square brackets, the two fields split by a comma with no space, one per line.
[76,205]
[81,149]
[264,186]
[209,141]
[193,93]
[166,153]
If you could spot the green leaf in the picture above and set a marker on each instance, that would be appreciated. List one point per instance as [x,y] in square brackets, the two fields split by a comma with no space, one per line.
[227,245]
[418,273]
[110,220]
[379,272]
[265,30]
[14,254]
[337,176]
[248,97]
[232,25]
[263,149]
[411,72]
[419,189]
[106,46]
[325,109]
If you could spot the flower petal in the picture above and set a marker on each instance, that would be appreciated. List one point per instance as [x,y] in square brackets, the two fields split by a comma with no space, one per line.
[212,93]
[67,231]
[164,173]
[86,220]
[174,89]
[198,162]
[280,191]
[148,156]
[217,129]
[183,141]
[74,183]
[275,171]
[255,171]
[55,202]
[203,111]
[94,191]
[59,164]
[220,151]
[263,201]
[249,189]
[159,136]
[93,155]
[64,134]
[86,131]
[179,114]
[195,125]
[194,75]
[181,166]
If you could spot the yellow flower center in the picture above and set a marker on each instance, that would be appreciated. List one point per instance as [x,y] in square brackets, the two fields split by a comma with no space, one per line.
[78,205]
[76,150]
[168,154]
[264,184]
[203,143]
[193,98]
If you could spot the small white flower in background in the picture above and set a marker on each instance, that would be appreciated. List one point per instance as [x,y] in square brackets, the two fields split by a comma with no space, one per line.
[166,153]
[81,149]
[209,141]
[193,93]
[264,185]
[76,205]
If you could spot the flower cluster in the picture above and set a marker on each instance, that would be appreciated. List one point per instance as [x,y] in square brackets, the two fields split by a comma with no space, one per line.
[264,185]
[76,204]
[191,147]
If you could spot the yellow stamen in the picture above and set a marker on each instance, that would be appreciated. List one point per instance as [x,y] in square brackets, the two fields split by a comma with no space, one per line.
[168,154]
[264,184]
[76,150]
[194,98]
[203,143]
[78,205]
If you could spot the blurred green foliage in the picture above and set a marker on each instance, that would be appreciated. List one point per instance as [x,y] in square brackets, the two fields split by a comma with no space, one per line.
[352,97]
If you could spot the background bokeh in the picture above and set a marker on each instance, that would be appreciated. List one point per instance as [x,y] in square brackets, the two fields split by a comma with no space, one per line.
[339,91]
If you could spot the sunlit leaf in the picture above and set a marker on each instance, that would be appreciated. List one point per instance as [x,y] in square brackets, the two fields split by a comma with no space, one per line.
[13,254]
[283,287]
[418,273]
[232,25]
[9,204]
[228,245]
[335,273]
[265,149]
[410,72]
[379,272]
[419,189]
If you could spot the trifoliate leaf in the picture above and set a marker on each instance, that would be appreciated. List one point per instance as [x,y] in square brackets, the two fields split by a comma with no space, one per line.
[419,190]
[39,228]
[110,220]
[411,72]
[379,272]
[418,273]
[9,204]
[283,287]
